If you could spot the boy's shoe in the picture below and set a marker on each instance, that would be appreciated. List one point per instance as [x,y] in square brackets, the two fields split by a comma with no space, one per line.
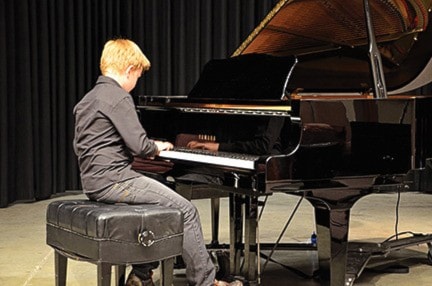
[134,280]
[224,283]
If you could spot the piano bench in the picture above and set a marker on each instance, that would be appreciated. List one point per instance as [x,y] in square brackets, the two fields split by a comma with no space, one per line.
[113,235]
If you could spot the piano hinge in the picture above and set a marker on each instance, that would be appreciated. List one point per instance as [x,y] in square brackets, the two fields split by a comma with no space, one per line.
[366,90]
[295,92]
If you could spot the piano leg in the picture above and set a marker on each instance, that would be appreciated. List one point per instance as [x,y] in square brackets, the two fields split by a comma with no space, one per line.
[332,231]
[250,251]
[236,232]
[340,263]
[243,208]
[215,208]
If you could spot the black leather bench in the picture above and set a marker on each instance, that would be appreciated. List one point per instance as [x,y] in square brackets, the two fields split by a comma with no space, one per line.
[113,235]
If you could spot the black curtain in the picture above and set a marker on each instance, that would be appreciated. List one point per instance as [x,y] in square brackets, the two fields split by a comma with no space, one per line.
[49,55]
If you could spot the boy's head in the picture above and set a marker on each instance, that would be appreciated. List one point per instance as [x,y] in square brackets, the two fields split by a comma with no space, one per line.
[120,54]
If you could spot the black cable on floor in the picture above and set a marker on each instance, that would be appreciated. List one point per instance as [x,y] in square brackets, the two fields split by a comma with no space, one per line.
[397,213]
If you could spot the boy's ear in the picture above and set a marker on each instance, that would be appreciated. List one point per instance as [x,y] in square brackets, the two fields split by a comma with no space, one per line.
[129,70]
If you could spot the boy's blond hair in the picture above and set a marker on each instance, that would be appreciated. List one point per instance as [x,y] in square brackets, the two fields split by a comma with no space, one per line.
[119,54]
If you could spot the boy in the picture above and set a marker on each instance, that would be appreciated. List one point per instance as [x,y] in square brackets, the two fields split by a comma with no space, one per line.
[107,136]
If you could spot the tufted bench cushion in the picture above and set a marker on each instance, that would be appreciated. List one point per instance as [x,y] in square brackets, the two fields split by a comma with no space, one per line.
[117,234]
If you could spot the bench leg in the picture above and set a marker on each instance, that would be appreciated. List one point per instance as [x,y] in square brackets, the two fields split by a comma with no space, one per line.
[120,274]
[103,274]
[167,272]
[60,264]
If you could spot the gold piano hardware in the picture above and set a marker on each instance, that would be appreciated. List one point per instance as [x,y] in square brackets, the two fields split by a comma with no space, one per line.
[235,109]
[205,137]
[295,92]
[182,139]
[230,106]
[298,94]
[229,109]
[328,96]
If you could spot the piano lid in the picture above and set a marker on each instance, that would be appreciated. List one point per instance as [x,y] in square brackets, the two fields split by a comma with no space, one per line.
[329,38]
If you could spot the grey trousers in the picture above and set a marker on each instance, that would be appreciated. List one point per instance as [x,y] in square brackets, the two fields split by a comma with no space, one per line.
[144,190]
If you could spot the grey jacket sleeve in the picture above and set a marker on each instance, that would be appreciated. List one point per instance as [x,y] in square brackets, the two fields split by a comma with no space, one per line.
[125,120]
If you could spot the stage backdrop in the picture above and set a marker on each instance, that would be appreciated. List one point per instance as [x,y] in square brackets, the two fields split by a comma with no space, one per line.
[49,54]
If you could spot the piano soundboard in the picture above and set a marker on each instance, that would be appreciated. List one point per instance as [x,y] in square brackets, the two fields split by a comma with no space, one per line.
[226,159]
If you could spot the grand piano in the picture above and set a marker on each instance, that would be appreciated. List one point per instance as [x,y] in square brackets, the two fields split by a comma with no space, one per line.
[337,79]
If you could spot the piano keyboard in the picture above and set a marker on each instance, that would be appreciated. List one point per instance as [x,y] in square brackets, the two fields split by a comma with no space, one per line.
[226,159]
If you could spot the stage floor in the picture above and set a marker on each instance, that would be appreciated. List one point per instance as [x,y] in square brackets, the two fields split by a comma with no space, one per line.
[25,259]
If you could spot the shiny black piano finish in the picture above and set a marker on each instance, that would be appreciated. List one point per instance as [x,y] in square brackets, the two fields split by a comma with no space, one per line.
[352,124]
[379,136]
[387,147]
